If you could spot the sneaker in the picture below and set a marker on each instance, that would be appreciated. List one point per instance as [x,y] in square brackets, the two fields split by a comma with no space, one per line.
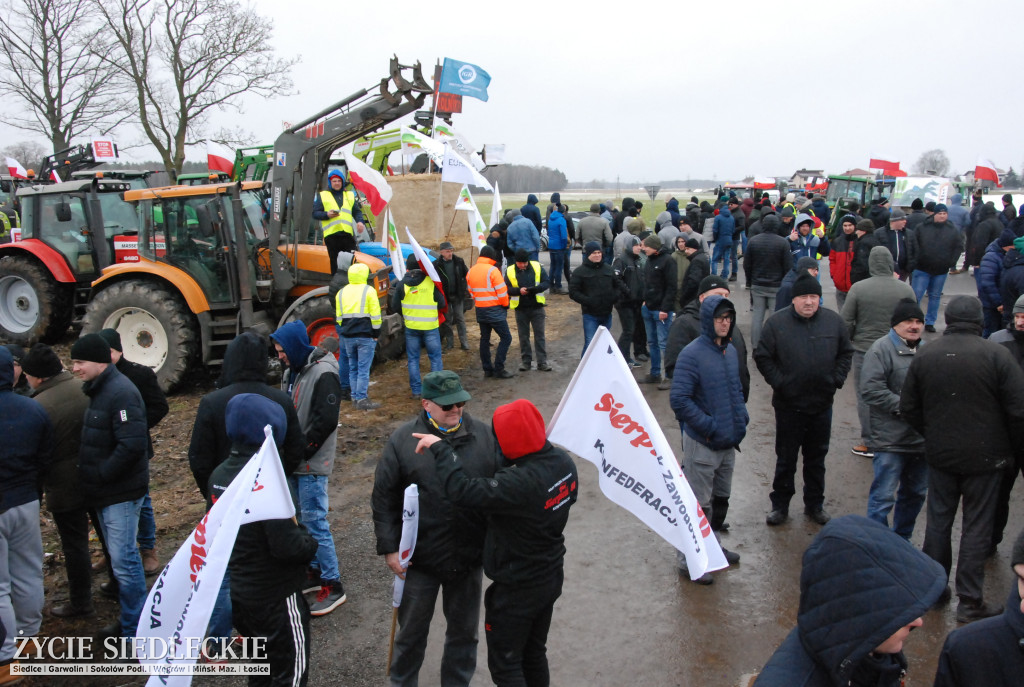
[331,595]
[651,379]
[367,404]
[777,517]
[503,374]
[969,611]
[930,328]
[545,367]
[665,383]
[731,557]
[313,581]
[862,450]
[643,357]
[819,516]
[632,363]
[71,611]
[525,367]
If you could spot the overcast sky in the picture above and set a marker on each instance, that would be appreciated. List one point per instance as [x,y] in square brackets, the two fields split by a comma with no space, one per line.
[656,90]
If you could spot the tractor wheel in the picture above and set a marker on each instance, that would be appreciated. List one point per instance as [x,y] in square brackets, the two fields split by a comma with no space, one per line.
[318,316]
[156,327]
[33,307]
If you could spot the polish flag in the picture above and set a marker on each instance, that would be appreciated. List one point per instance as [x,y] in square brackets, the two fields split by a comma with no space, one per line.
[983,171]
[54,177]
[883,164]
[220,158]
[369,181]
[428,268]
[15,169]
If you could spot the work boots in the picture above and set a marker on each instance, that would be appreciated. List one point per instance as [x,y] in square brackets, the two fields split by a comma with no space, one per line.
[719,508]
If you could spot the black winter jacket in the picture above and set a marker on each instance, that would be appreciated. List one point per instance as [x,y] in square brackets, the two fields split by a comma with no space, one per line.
[700,267]
[965,395]
[450,538]
[859,268]
[936,247]
[28,442]
[987,652]
[627,268]
[153,397]
[804,359]
[1011,282]
[244,372]
[459,289]
[767,259]
[595,287]
[686,327]
[660,281]
[527,504]
[904,254]
[113,458]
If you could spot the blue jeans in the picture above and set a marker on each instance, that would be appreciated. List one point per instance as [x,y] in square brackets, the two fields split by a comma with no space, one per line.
[415,341]
[721,252]
[358,354]
[909,471]
[558,258]
[923,282]
[657,336]
[343,371]
[590,325]
[147,525]
[313,505]
[220,617]
[120,523]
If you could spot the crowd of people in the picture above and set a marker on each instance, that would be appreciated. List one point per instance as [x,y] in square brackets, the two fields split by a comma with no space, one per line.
[942,423]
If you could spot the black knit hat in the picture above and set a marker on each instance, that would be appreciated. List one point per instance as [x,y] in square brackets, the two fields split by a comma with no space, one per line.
[653,241]
[522,255]
[712,281]
[92,348]
[866,225]
[917,204]
[41,361]
[806,285]
[693,243]
[112,338]
[489,253]
[964,309]
[906,309]
[411,263]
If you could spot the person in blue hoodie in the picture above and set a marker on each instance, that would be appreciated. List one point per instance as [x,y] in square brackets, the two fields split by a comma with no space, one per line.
[522,235]
[558,244]
[863,590]
[532,212]
[722,230]
[28,450]
[672,207]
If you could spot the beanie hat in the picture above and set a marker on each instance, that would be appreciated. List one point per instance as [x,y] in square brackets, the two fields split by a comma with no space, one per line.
[683,219]
[806,285]
[1018,307]
[41,361]
[112,338]
[866,225]
[522,255]
[1017,555]
[930,206]
[806,263]
[411,263]
[917,204]
[964,309]
[91,348]
[712,281]
[489,253]
[852,219]
[247,414]
[693,243]
[897,214]
[519,428]
[591,247]
[941,207]
[1007,198]
[595,207]
[906,309]
[1006,238]
[512,214]
[653,241]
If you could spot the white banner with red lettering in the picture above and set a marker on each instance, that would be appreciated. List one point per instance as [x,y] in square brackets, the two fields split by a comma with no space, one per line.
[178,608]
[636,467]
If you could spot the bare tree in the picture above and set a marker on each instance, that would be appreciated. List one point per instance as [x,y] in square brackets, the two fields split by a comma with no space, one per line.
[28,153]
[932,162]
[185,59]
[48,61]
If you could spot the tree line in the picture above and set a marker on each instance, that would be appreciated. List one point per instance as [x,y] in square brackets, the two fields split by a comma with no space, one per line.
[525,178]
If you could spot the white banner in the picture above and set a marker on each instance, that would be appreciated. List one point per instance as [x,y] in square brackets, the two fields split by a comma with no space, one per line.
[458,170]
[637,469]
[179,604]
[393,245]
[410,529]
[433,148]
[465,200]
[495,206]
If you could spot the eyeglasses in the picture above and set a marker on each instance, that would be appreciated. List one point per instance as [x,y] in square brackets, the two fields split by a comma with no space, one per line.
[723,318]
[449,406]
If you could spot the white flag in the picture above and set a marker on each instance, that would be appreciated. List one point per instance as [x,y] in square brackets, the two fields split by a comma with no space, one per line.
[495,206]
[393,245]
[179,604]
[465,200]
[424,259]
[15,169]
[433,148]
[637,469]
[455,168]
[410,529]
[478,230]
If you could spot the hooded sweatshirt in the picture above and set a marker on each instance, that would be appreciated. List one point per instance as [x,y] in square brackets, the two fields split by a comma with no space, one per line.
[532,212]
[870,303]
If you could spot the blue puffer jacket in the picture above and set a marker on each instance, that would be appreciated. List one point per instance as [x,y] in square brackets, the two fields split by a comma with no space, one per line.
[558,234]
[723,227]
[706,392]
[988,275]
[522,234]
[860,583]
[28,441]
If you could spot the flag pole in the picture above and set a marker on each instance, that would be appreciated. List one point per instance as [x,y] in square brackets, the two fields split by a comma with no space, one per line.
[391,642]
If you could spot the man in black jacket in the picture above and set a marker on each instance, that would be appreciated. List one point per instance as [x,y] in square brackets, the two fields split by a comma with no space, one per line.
[935,252]
[452,270]
[739,234]
[659,303]
[766,260]
[596,288]
[965,395]
[804,354]
[627,268]
[449,548]
[113,468]
[527,504]
[267,568]
[155,401]
[898,237]
[700,267]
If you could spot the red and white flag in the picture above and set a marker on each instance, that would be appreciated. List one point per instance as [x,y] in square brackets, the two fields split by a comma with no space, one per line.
[428,268]
[885,164]
[220,158]
[15,169]
[369,181]
[54,177]
[986,171]
[407,544]
[637,469]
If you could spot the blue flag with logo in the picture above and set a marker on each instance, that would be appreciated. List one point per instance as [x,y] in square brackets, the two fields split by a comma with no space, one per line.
[464,78]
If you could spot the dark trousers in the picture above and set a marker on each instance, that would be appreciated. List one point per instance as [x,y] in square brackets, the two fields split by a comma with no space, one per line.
[285,624]
[73,529]
[527,318]
[796,431]
[504,341]
[338,242]
[1003,500]
[639,331]
[627,319]
[517,621]
[979,492]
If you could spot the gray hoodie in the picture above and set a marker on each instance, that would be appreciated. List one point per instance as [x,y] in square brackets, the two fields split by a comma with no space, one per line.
[870,302]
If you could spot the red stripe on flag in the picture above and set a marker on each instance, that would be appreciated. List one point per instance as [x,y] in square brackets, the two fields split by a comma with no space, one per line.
[372,193]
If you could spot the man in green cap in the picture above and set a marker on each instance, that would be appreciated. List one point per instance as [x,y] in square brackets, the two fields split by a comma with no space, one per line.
[449,546]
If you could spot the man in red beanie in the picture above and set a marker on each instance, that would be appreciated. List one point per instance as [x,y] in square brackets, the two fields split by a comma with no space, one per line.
[527,504]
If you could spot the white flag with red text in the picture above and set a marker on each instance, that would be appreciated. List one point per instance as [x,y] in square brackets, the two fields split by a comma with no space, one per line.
[636,467]
[407,544]
[179,604]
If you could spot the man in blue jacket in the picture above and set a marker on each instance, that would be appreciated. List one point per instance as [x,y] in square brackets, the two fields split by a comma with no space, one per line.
[532,212]
[28,445]
[523,235]
[707,398]
[722,229]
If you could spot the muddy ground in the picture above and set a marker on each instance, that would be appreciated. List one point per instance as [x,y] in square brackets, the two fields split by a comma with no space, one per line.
[626,616]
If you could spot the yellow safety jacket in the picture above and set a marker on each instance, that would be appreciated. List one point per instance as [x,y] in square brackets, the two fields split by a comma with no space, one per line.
[344,221]
[419,309]
[514,294]
[356,308]
[5,224]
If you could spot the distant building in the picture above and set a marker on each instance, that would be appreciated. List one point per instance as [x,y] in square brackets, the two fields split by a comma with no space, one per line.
[802,177]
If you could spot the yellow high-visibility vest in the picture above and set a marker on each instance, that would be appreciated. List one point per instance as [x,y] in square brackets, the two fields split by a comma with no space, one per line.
[344,221]
[353,301]
[419,309]
[514,294]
